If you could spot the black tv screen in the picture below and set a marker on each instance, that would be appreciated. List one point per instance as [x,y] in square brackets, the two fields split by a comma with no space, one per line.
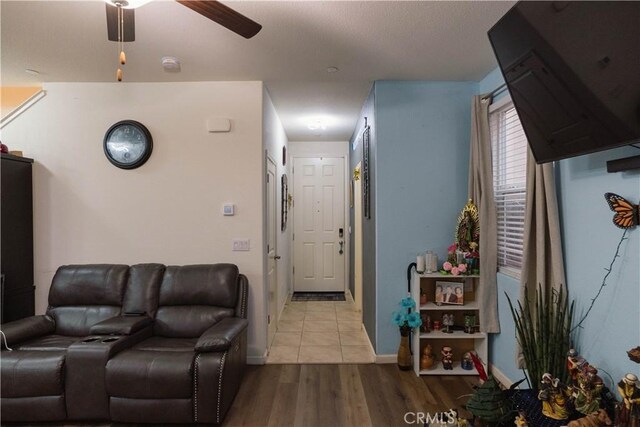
[573,71]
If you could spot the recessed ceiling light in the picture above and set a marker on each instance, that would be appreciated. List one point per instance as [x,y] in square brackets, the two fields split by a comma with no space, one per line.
[171,64]
[32,72]
[332,70]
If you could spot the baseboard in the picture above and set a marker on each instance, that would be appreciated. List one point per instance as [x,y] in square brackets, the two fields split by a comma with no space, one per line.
[386,358]
[257,360]
[500,376]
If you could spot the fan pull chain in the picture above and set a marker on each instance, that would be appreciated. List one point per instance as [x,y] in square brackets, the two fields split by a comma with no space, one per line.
[122,57]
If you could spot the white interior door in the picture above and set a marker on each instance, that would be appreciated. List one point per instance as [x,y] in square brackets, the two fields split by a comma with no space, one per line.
[357,256]
[319,219]
[272,272]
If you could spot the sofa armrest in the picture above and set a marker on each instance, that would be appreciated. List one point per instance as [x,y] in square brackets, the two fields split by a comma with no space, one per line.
[121,325]
[25,329]
[220,336]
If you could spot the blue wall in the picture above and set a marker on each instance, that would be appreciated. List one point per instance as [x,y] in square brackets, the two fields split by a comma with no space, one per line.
[423,131]
[589,240]
[368,225]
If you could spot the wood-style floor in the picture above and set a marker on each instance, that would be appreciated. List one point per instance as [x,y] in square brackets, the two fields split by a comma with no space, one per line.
[336,396]
[342,395]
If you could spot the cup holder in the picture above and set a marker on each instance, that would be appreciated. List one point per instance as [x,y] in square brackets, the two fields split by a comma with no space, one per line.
[91,339]
[112,339]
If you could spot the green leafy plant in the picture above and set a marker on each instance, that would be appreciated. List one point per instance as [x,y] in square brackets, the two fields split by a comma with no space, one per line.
[543,330]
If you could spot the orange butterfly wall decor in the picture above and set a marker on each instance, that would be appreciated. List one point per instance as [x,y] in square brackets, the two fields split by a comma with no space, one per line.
[626,213]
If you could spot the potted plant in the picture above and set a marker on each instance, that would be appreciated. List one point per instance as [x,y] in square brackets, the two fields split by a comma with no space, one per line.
[406,320]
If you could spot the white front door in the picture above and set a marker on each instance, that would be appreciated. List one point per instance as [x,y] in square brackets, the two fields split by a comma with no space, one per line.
[319,225]
[272,272]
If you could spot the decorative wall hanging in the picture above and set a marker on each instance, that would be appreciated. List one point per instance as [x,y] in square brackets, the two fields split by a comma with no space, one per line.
[284,201]
[468,228]
[284,155]
[626,213]
[366,172]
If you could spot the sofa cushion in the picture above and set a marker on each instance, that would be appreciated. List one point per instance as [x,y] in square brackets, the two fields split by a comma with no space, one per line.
[166,344]
[92,284]
[77,321]
[47,343]
[212,284]
[83,295]
[150,374]
[32,373]
[143,289]
[188,321]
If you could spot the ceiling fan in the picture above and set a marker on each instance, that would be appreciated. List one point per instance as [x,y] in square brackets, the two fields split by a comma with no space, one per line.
[211,9]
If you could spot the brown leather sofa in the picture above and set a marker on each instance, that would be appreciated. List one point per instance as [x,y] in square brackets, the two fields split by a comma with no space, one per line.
[139,344]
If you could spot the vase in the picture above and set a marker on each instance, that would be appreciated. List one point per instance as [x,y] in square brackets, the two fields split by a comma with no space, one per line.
[404,352]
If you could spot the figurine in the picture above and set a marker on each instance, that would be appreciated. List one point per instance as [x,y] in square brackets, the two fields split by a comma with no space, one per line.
[469,323]
[575,364]
[426,323]
[423,297]
[634,354]
[436,325]
[553,395]
[447,358]
[447,322]
[587,392]
[428,360]
[629,389]
[597,419]
[521,421]
[467,361]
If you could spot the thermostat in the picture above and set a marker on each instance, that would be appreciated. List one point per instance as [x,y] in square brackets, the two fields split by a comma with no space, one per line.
[228,209]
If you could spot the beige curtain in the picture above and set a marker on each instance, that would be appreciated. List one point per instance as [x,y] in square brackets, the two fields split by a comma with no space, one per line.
[543,262]
[481,192]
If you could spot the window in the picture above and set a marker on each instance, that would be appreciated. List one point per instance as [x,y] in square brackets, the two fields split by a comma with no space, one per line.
[509,150]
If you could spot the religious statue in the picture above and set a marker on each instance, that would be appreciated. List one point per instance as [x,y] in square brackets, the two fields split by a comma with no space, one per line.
[553,395]
[629,389]
[588,390]
[575,364]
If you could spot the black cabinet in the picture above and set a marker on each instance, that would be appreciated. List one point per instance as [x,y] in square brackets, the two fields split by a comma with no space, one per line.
[17,290]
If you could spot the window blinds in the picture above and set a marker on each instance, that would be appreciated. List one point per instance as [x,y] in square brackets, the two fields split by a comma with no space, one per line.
[509,150]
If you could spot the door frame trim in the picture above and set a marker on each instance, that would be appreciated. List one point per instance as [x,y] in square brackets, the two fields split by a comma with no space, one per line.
[347,219]
[265,252]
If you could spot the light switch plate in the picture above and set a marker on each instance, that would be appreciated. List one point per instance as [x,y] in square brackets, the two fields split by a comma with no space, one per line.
[228,209]
[241,245]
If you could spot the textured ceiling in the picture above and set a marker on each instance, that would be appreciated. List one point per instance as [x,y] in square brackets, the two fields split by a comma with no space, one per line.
[366,40]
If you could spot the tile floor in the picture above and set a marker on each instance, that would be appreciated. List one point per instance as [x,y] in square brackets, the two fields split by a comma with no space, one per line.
[320,332]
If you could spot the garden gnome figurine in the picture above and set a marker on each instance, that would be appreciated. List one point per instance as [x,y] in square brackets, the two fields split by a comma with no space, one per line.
[428,360]
[553,395]
[447,358]
[629,388]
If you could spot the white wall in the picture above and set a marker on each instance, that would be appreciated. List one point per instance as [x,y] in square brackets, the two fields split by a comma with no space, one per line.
[275,138]
[170,209]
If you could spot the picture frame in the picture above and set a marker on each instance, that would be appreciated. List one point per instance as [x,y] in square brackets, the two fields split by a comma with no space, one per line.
[284,155]
[284,202]
[449,293]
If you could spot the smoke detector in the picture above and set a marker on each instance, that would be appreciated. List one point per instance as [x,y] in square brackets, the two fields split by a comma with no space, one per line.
[171,64]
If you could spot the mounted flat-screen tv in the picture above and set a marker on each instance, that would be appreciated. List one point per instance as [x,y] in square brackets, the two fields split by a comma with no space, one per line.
[573,71]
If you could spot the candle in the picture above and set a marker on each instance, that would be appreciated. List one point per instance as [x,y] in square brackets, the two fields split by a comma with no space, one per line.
[420,264]
[428,260]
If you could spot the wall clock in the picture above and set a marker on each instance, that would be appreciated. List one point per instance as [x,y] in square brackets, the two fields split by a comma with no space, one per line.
[128,144]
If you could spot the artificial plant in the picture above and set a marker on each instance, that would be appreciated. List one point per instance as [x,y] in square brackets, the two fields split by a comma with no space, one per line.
[543,330]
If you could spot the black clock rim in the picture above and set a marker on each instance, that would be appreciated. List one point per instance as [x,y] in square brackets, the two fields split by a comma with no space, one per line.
[149,146]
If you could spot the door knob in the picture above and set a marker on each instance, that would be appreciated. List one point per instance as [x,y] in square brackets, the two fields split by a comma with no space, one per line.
[276,257]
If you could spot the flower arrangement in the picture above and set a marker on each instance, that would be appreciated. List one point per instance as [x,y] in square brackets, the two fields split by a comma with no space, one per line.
[405,318]
[451,266]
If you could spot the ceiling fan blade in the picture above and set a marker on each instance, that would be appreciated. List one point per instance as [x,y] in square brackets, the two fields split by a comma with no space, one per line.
[224,16]
[128,20]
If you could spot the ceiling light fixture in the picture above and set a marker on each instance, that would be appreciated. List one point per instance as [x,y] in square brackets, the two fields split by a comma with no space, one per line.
[332,70]
[317,125]
[32,72]
[171,64]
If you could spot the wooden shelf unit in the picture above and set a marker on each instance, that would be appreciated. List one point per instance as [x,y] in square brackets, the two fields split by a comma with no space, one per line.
[459,341]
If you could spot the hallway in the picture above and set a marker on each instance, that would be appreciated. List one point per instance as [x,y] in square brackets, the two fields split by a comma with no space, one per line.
[320,332]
